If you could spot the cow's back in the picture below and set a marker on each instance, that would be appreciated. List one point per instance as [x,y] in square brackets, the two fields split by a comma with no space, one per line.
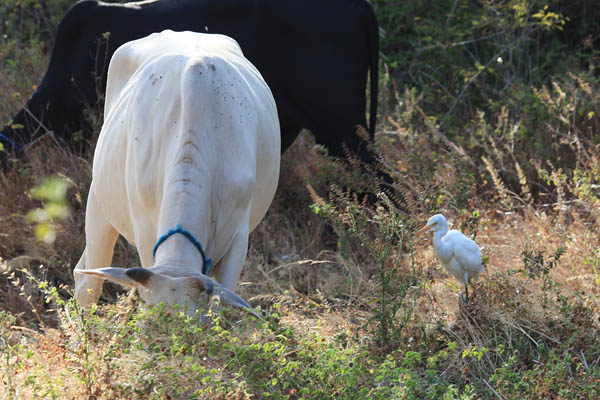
[186,115]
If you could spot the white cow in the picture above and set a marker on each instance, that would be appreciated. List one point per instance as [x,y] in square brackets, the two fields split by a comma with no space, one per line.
[186,165]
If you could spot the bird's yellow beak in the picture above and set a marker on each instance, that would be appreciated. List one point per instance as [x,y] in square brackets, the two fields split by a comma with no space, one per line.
[423,230]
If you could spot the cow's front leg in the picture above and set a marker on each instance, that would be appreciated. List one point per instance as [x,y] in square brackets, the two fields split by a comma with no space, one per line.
[100,239]
[230,267]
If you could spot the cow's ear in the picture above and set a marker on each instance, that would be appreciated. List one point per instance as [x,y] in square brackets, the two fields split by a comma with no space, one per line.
[140,275]
[126,277]
[202,284]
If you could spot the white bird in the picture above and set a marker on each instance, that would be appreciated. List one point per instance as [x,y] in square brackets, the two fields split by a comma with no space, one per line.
[460,255]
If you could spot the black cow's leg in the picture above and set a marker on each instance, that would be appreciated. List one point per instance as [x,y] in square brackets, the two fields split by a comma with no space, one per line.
[343,138]
[289,133]
[290,125]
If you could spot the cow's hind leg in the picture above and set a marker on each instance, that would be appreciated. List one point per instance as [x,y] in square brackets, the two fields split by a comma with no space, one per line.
[100,238]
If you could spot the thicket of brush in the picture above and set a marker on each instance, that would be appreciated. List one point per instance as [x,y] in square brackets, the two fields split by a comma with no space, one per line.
[489,114]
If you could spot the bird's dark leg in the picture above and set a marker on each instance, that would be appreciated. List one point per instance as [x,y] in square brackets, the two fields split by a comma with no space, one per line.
[465,299]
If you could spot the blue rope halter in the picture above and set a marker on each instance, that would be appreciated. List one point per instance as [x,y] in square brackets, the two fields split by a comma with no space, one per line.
[9,141]
[206,262]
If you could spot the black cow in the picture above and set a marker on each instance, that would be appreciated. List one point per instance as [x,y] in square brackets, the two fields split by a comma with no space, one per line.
[314,54]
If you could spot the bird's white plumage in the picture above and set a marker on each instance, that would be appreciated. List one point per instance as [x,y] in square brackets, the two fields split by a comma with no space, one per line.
[460,255]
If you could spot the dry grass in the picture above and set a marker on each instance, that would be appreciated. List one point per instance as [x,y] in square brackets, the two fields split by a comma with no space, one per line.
[321,286]
[294,258]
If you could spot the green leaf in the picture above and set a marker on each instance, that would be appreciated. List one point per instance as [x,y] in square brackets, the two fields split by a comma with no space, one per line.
[52,189]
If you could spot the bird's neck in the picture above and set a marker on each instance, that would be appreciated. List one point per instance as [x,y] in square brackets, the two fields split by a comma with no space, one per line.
[441,247]
[439,234]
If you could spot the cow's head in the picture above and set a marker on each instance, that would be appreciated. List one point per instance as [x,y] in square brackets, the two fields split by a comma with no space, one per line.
[154,288]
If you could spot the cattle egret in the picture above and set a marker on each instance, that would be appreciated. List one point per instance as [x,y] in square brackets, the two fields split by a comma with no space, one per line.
[460,255]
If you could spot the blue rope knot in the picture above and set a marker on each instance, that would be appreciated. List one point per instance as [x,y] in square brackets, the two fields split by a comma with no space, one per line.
[206,262]
[6,139]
